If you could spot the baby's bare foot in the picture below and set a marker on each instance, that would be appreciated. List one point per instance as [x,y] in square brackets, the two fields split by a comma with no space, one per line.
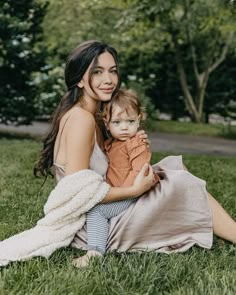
[84,260]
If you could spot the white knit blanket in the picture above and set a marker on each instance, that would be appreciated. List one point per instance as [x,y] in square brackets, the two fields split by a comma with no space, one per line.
[64,212]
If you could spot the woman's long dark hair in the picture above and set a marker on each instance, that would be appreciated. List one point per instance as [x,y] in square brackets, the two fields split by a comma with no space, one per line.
[77,64]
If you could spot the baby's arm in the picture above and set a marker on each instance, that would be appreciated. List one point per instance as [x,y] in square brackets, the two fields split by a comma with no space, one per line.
[138,155]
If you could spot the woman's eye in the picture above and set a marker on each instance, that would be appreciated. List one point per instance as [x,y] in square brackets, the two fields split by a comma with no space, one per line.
[114,71]
[116,122]
[131,121]
[97,72]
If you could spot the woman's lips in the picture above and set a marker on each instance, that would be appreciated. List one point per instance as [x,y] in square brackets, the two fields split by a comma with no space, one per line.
[107,90]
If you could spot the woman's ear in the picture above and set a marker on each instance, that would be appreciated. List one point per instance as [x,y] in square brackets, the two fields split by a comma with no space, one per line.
[80,84]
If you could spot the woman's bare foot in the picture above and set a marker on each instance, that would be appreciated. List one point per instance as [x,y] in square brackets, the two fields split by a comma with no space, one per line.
[83,261]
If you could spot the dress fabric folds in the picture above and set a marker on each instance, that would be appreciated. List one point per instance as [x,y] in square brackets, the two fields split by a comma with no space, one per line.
[171,217]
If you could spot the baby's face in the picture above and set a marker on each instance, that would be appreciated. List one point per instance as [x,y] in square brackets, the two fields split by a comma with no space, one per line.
[123,125]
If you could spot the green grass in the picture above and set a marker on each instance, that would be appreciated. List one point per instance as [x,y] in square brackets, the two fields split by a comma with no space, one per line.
[217,130]
[196,271]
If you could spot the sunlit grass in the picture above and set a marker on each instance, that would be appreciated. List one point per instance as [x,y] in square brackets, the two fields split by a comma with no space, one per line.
[196,271]
[218,130]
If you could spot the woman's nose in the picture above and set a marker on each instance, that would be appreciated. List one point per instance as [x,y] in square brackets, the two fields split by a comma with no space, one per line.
[107,78]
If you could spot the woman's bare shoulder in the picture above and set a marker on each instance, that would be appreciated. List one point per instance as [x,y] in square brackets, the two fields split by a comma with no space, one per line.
[80,115]
[81,127]
[78,120]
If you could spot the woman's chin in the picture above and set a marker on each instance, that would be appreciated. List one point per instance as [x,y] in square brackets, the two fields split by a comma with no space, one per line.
[105,96]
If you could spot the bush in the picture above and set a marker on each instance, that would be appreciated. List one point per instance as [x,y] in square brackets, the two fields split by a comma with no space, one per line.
[50,88]
[20,56]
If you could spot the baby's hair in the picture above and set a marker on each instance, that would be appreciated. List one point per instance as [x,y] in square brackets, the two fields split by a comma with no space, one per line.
[127,100]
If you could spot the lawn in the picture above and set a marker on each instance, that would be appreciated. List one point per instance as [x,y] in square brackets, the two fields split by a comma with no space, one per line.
[196,271]
[214,130]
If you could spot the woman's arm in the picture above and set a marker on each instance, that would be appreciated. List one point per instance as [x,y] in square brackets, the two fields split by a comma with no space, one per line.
[142,183]
[79,141]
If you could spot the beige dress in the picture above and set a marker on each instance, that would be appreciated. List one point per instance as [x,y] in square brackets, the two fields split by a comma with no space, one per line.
[171,217]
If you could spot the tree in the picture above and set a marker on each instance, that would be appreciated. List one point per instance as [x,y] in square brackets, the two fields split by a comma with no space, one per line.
[169,48]
[222,87]
[73,22]
[199,33]
[20,32]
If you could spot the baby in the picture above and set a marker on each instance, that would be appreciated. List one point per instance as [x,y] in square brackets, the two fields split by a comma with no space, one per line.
[125,151]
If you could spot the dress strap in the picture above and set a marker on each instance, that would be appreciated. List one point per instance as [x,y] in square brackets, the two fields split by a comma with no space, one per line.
[59,141]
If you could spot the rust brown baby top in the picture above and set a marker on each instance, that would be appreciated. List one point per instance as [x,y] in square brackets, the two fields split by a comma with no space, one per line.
[125,160]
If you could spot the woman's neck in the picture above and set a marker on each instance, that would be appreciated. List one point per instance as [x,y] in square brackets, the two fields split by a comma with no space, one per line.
[88,105]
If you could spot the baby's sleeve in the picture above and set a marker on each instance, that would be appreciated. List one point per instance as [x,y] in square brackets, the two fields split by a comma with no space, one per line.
[138,155]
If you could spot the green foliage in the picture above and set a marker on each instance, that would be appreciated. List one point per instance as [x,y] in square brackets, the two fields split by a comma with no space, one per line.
[19,57]
[222,89]
[73,22]
[148,35]
[196,271]
[197,33]
[50,86]
[146,103]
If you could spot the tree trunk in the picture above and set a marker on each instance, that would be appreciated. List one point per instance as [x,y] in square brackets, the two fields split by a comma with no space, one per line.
[202,84]
[184,86]
[195,107]
[206,117]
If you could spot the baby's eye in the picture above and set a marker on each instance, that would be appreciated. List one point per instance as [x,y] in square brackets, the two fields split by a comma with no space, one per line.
[131,121]
[115,123]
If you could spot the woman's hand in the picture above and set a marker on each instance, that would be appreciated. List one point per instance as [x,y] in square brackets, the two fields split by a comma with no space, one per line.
[143,135]
[144,180]
[142,183]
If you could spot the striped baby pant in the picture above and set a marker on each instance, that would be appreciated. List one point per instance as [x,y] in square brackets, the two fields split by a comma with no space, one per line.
[97,220]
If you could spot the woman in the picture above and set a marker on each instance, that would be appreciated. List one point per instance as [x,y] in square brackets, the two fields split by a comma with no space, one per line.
[71,147]
[174,215]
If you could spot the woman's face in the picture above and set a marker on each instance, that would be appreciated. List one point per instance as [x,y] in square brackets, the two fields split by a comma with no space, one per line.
[103,81]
